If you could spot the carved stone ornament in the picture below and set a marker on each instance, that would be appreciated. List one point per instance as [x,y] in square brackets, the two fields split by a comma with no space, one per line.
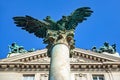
[59,37]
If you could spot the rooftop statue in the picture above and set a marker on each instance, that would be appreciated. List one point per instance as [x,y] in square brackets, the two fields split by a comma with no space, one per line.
[106,48]
[52,31]
[15,48]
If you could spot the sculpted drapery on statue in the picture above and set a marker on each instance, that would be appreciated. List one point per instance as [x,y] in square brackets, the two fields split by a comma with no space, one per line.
[54,31]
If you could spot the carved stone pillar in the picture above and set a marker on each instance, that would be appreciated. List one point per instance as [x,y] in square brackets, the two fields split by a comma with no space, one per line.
[60,43]
[60,64]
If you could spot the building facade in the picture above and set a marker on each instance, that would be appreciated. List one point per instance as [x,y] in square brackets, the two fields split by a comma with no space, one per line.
[85,65]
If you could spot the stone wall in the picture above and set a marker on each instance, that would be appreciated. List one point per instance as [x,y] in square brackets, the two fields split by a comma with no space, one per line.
[74,75]
[10,76]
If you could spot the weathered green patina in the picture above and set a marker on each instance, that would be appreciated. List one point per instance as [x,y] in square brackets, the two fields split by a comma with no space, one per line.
[15,48]
[55,32]
[105,48]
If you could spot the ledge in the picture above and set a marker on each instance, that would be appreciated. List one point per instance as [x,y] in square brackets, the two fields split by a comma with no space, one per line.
[35,66]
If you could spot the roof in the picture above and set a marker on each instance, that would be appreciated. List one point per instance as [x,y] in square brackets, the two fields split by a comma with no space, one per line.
[80,59]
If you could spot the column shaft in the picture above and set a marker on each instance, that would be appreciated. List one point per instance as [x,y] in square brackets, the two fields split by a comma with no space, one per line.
[60,64]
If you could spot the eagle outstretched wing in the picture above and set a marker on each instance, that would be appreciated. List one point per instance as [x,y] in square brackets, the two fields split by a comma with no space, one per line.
[39,28]
[32,25]
[78,16]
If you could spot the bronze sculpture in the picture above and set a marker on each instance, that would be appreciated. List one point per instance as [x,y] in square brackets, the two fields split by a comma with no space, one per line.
[15,48]
[59,35]
[51,30]
[105,48]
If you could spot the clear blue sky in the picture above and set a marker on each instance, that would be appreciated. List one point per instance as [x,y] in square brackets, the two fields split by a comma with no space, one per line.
[103,25]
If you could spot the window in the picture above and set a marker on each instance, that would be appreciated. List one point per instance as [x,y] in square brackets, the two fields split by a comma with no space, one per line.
[28,77]
[98,77]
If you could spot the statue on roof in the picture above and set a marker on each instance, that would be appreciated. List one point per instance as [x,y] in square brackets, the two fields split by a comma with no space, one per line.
[94,49]
[114,47]
[15,48]
[105,48]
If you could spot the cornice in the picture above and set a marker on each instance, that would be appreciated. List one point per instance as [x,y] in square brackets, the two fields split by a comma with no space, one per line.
[11,66]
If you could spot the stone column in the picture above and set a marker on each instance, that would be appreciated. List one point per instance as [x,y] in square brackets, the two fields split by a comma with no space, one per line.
[60,64]
[60,43]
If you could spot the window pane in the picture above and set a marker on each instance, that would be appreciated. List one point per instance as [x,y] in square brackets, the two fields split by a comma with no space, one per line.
[101,78]
[98,77]
[94,78]
[28,77]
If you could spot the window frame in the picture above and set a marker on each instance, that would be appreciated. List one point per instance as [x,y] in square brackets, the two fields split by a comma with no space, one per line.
[98,76]
[25,75]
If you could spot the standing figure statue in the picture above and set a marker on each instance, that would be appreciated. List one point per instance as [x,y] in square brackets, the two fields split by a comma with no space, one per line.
[114,48]
[59,37]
